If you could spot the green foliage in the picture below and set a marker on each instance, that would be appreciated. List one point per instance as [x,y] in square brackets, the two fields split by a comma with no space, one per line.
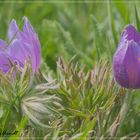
[76,105]
[77,98]
[85,96]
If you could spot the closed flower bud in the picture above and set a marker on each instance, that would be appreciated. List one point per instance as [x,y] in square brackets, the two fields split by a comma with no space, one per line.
[126,60]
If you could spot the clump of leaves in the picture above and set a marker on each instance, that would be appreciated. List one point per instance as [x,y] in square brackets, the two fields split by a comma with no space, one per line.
[78,104]
[21,103]
[87,100]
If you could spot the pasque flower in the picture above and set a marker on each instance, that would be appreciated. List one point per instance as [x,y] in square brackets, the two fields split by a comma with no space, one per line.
[126,60]
[22,45]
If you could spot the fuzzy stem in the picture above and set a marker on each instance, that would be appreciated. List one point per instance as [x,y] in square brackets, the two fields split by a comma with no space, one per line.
[125,107]
[123,112]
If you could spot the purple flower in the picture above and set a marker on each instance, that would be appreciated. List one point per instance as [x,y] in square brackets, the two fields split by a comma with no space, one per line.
[126,60]
[22,45]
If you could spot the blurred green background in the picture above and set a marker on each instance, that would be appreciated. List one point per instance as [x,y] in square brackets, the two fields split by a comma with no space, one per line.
[88,29]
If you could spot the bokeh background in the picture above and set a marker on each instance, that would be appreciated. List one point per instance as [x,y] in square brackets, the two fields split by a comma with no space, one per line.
[88,29]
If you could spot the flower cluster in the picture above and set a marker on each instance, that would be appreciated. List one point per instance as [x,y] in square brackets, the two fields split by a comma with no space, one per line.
[22,45]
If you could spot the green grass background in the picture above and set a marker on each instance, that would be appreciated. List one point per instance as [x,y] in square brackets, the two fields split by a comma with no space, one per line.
[88,29]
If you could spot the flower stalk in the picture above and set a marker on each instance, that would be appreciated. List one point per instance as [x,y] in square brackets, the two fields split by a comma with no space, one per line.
[116,127]
[124,110]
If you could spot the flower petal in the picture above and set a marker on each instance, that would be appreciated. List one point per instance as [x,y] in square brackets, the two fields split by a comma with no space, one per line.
[119,69]
[27,26]
[130,33]
[13,30]
[132,64]
[2,44]
[4,62]
[126,65]
[33,41]
[18,52]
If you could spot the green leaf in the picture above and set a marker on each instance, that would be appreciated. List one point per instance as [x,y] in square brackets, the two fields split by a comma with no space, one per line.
[87,130]
[137,19]
[124,11]
[112,22]
[20,129]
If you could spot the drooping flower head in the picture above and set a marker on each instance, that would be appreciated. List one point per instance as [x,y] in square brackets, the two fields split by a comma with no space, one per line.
[126,60]
[22,45]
